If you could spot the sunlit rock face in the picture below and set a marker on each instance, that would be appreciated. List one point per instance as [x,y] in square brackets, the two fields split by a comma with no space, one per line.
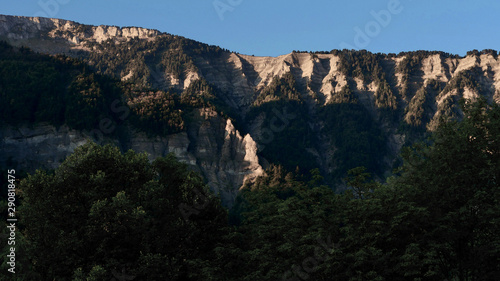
[214,148]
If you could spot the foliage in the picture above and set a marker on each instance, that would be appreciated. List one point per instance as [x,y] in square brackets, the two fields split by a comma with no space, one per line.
[454,183]
[37,88]
[89,101]
[384,98]
[411,64]
[419,107]
[462,80]
[490,52]
[436,220]
[447,110]
[362,64]
[147,60]
[285,131]
[202,94]
[32,87]
[356,137]
[284,89]
[447,107]
[369,68]
[344,96]
[102,213]
[284,222]
[158,113]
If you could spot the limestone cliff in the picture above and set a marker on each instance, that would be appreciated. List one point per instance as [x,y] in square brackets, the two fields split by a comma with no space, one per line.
[67,35]
[212,147]
[408,90]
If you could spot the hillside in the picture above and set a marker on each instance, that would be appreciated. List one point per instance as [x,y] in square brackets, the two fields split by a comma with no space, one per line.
[229,115]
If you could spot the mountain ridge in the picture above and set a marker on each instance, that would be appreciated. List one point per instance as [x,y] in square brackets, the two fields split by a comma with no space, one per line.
[350,107]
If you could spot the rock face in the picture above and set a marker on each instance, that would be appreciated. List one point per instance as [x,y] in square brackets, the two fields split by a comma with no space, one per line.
[212,145]
[236,158]
[41,147]
[65,35]
[242,76]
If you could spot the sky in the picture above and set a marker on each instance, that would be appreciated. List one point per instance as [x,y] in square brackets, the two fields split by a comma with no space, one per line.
[277,27]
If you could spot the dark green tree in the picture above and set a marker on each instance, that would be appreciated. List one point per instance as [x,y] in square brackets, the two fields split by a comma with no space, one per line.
[104,213]
[286,230]
[454,185]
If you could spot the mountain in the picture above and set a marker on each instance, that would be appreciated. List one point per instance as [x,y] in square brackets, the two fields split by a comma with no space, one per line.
[229,115]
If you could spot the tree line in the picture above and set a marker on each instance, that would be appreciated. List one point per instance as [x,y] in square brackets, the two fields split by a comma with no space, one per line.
[106,214]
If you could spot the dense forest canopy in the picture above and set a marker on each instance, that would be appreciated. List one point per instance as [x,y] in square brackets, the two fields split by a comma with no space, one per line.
[106,214]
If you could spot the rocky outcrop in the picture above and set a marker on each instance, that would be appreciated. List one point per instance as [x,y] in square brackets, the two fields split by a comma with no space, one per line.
[43,146]
[213,148]
[223,156]
[66,35]
[241,76]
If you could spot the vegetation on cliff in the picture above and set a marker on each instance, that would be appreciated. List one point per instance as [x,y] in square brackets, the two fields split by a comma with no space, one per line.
[36,88]
[103,214]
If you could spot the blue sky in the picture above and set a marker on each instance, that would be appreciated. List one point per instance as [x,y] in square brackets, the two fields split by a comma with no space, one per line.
[276,27]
